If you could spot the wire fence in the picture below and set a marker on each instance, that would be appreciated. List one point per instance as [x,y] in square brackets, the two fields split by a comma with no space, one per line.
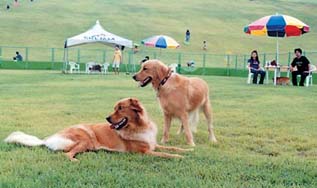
[53,58]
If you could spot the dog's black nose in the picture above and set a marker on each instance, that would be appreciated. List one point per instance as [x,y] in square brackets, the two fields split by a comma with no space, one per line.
[108,119]
[134,77]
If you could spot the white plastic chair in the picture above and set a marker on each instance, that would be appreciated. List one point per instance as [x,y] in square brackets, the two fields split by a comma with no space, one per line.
[309,78]
[105,67]
[173,67]
[73,66]
[250,75]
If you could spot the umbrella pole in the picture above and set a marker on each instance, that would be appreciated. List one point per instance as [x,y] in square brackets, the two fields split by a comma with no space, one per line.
[277,60]
[277,51]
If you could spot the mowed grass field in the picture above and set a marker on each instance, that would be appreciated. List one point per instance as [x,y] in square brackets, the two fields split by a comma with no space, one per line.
[220,23]
[267,136]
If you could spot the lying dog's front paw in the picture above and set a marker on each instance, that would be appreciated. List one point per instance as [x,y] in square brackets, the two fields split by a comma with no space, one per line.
[191,144]
[189,149]
[177,156]
[164,140]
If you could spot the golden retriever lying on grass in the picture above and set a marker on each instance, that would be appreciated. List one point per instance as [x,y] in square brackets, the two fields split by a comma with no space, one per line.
[179,97]
[129,130]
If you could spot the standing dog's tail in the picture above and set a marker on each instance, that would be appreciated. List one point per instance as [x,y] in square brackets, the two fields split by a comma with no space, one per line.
[23,139]
[193,120]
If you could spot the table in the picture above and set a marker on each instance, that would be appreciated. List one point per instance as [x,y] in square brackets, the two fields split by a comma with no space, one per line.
[277,72]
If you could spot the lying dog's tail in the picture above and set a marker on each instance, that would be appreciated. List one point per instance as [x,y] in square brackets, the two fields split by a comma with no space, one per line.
[23,139]
[193,120]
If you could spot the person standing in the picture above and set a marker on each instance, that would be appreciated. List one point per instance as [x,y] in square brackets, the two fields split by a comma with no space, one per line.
[117,59]
[135,49]
[187,36]
[254,66]
[204,45]
[299,66]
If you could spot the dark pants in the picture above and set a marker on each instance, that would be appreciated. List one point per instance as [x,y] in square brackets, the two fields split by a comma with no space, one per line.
[303,76]
[255,76]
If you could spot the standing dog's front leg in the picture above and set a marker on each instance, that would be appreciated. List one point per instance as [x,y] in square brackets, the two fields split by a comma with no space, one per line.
[167,125]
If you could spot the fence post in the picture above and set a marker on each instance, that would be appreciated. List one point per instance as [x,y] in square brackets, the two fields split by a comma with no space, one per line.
[228,65]
[244,61]
[0,55]
[52,54]
[26,54]
[289,58]
[154,55]
[104,56]
[52,58]
[130,54]
[179,58]
[204,64]
[78,55]
[26,57]
[236,63]
[264,57]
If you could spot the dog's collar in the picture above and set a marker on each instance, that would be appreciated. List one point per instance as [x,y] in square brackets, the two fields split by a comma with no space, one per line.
[164,80]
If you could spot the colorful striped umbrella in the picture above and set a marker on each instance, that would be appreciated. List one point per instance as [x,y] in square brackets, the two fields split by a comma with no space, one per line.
[277,26]
[160,41]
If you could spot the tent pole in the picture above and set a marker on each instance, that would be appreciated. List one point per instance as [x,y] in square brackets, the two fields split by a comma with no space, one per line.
[66,60]
[64,69]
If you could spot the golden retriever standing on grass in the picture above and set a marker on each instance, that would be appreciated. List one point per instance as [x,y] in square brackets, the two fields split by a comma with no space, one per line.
[179,97]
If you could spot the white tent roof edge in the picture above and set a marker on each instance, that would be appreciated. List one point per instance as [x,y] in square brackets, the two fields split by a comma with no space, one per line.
[97,34]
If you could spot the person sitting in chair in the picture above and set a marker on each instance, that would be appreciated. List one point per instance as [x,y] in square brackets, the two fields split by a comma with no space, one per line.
[302,65]
[18,57]
[254,66]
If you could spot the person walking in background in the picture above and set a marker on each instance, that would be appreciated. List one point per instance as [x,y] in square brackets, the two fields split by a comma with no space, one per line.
[187,36]
[117,59]
[299,66]
[135,49]
[254,66]
[204,45]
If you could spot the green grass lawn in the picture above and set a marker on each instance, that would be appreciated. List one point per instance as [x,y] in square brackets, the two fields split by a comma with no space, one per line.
[267,135]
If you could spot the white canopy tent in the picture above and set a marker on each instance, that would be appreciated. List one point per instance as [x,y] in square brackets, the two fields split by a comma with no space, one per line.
[96,34]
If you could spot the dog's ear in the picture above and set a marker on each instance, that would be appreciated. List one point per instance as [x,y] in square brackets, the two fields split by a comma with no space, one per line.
[162,71]
[135,105]
[169,69]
